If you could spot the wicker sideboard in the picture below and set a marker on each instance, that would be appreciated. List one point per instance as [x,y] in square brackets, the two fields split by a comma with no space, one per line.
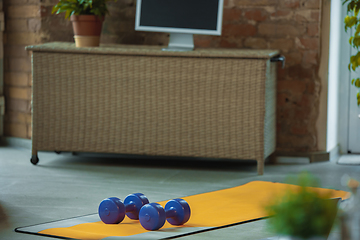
[212,103]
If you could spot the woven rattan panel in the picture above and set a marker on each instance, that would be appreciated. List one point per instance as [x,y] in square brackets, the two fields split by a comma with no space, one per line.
[270,110]
[173,106]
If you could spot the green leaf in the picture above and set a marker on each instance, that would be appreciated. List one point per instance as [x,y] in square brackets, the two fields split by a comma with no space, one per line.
[303,213]
[357,83]
[350,40]
[78,7]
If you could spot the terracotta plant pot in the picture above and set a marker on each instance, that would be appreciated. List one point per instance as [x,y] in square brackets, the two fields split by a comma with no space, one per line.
[87,41]
[87,30]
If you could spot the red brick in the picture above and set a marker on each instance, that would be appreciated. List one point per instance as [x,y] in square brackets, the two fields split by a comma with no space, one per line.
[36,2]
[312,4]
[294,86]
[283,114]
[16,130]
[16,79]
[308,43]
[231,14]
[300,113]
[248,3]
[22,93]
[291,3]
[238,30]
[29,131]
[256,43]
[297,143]
[45,11]
[16,2]
[16,25]
[23,38]
[300,72]
[306,100]
[284,44]
[282,73]
[20,64]
[23,11]
[17,105]
[303,16]
[299,129]
[34,24]
[229,3]
[15,51]
[281,30]
[282,99]
[226,43]
[293,58]
[282,13]
[201,41]
[307,15]
[312,29]
[310,58]
[315,15]
[18,117]
[312,87]
[256,15]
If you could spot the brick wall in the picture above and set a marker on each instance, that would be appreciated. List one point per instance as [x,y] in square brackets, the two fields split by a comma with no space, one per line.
[292,26]
[22,26]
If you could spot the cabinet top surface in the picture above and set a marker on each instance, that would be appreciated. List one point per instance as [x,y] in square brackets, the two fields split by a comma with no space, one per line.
[141,50]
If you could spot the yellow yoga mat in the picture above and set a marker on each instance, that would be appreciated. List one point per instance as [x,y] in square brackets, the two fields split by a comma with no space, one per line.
[208,211]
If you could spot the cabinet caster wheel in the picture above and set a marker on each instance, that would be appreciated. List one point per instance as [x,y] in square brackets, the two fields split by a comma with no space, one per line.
[34,160]
[57,152]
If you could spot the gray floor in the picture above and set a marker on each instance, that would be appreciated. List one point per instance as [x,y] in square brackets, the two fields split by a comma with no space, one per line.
[63,186]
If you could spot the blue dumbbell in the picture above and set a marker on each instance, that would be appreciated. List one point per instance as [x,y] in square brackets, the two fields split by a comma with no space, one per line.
[112,210]
[152,216]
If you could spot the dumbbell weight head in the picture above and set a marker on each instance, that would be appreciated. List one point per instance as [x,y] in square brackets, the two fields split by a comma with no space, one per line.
[133,203]
[182,210]
[152,216]
[112,210]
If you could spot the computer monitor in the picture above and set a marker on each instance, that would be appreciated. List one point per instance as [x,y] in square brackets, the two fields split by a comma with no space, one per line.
[180,18]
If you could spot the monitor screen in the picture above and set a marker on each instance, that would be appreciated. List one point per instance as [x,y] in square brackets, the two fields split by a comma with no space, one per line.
[180,16]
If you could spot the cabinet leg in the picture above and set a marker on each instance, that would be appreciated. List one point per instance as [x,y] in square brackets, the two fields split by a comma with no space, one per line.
[34,157]
[260,167]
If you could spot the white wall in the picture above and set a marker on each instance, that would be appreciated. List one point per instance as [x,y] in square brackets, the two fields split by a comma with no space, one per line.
[334,74]
[338,80]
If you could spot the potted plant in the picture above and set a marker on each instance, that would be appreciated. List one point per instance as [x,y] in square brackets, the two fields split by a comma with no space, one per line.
[352,20]
[302,214]
[86,16]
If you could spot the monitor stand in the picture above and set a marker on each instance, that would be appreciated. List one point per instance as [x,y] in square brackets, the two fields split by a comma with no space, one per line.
[180,42]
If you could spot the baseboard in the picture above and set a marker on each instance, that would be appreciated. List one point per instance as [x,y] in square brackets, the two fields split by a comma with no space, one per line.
[17,142]
[335,154]
[302,157]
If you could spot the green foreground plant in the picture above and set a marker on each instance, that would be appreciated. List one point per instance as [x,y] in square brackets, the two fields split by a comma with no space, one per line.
[81,7]
[352,21]
[304,213]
